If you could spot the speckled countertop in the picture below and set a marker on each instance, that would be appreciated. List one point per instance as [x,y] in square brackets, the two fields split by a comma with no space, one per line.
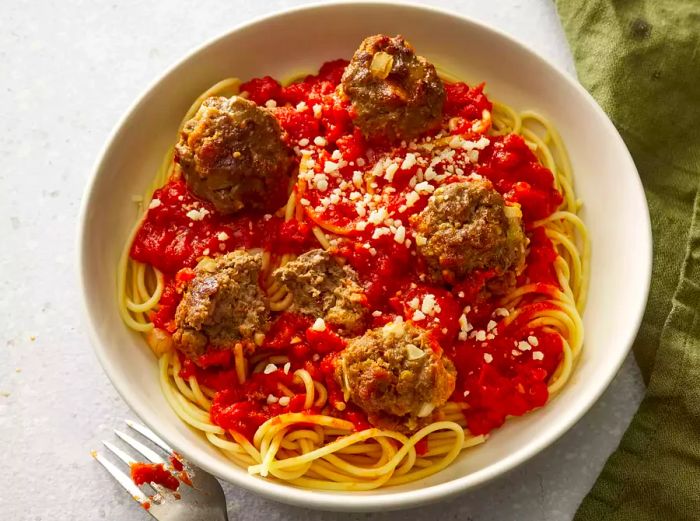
[68,70]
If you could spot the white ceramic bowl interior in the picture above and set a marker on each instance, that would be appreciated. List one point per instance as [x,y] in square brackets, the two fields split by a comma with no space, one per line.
[298,41]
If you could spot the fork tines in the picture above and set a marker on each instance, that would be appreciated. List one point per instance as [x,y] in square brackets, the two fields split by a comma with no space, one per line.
[122,477]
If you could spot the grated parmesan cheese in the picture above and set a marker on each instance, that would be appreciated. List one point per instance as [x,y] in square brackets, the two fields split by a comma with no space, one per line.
[418,315]
[319,325]
[197,215]
[424,187]
[409,161]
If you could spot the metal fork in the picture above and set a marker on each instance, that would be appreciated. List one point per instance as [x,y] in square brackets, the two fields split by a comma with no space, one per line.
[203,501]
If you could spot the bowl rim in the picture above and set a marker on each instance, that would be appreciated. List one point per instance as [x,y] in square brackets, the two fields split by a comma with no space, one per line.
[343,501]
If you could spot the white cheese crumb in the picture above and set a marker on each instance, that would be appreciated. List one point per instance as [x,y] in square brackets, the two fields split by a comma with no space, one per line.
[316,357]
[464,324]
[524,346]
[357,179]
[481,335]
[532,340]
[537,355]
[319,325]
[482,143]
[462,336]
[287,367]
[270,368]
[302,106]
[400,235]
[376,313]
[322,184]
[197,215]
[377,216]
[317,108]
[360,161]
[501,312]
[414,352]
[319,141]
[330,166]
[424,187]
[270,104]
[155,203]
[418,315]
[414,302]
[491,325]
[284,401]
[421,241]
[488,358]
[411,198]
[390,171]
[428,305]
[222,236]
[303,141]
[409,161]
[271,399]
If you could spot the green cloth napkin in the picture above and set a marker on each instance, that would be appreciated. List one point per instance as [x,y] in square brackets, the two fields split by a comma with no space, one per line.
[641,60]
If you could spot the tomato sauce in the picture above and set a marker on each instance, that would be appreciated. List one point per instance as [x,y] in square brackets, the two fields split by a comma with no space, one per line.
[169,239]
[153,473]
[502,372]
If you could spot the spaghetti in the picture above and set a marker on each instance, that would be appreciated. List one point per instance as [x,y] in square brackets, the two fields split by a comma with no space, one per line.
[322,444]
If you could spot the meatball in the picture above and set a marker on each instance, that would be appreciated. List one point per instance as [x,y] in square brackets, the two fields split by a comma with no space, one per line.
[232,154]
[467,226]
[321,287]
[222,305]
[394,93]
[396,376]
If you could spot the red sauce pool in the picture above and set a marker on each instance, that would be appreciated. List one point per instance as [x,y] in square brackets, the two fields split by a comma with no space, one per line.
[495,378]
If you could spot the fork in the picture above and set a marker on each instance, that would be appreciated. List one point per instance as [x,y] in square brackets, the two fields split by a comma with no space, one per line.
[204,500]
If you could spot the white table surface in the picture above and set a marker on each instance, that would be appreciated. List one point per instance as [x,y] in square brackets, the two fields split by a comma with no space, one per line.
[68,70]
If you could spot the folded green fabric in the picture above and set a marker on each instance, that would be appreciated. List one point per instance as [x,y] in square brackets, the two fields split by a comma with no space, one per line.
[641,60]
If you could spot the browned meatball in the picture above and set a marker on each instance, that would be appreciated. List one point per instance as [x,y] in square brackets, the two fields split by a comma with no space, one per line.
[396,376]
[232,154]
[322,288]
[394,93]
[222,305]
[467,226]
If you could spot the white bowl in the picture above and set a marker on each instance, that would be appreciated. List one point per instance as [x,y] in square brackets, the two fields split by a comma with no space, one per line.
[286,44]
